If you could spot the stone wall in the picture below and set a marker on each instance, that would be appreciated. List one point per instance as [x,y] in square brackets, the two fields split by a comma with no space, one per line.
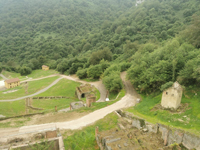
[90,99]
[169,135]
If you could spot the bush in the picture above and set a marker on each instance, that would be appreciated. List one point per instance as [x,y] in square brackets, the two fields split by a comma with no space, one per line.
[166,86]
[124,66]
[94,71]
[111,69]
[82,73]
[113,82]
[25,71]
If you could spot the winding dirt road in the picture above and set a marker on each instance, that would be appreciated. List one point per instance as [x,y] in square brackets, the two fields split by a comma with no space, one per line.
[127,101]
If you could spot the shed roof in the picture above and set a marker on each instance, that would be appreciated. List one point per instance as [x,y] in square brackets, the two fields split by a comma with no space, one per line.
[44,66]
[12,80]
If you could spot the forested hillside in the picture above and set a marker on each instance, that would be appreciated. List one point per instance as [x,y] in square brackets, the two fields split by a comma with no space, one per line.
[156,41]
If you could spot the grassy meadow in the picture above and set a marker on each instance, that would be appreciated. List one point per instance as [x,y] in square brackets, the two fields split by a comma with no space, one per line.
[49,104]
[9,109]
[33,87]
[187,119]
[63,88]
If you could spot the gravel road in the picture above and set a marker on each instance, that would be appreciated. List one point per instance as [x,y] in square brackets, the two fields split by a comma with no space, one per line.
[127,101]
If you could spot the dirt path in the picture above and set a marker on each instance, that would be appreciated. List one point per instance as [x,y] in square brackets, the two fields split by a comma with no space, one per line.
[3,77]
[39,92]
[127,101]
[40,78]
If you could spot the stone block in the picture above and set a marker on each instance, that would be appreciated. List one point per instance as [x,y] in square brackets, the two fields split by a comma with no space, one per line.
[138,123]
[191,141]
[151,127]
[165,132]
[175,136]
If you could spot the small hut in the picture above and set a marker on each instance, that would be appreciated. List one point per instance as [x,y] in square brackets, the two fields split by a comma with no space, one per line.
[171,97]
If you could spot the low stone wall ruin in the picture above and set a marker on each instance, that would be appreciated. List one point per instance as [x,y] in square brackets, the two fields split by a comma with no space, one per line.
[169,135]
[50,97]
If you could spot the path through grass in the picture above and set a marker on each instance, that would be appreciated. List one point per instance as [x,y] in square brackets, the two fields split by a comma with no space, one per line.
[35,74]
[33,87]
[63,88]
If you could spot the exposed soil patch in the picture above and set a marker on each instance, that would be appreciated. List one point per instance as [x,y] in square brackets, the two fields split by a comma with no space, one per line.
[181,109]
[55,117]
[46,118]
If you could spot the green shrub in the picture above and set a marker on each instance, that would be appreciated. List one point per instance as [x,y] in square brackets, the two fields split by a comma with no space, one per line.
[25,71]
[166,86]
[82,73]
[111,69]
[124,66]
[94,71]
[113,82]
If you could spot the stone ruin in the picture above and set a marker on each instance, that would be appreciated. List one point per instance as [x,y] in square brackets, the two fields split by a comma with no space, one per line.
[136,133]
[76,105]
[171,97]
[86,91]
[83,90]
[28,141]
[90,99]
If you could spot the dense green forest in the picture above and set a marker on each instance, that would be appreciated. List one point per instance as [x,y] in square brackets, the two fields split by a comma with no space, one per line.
[157,41]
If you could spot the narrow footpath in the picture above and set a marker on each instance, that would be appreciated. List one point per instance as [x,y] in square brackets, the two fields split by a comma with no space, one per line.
[3,77]
[39,92]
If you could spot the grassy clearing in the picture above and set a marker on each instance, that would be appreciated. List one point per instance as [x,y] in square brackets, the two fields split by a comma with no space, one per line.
[112,96]
[63,88]
[190,119]
[35,74]
[85,138]
[11,75]
[9,109]
[98,94]
[33,87]
[51,103]
[41,73]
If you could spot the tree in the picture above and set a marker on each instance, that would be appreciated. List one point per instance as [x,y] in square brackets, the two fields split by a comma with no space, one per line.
[25,71]
[96,57]
[82,73]
[192,33]
[113,82]
[94,71]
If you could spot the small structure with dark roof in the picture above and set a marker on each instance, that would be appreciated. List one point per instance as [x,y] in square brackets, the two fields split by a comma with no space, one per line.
[12,83]
[44,67]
